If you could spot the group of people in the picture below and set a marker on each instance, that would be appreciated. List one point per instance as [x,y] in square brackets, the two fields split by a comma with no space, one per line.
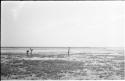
[29,52]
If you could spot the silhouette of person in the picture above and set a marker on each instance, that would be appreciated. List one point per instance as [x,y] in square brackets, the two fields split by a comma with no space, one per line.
[31,51]
[68,50]
[27,52]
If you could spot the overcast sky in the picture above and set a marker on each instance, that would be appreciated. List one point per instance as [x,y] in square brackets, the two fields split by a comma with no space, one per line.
[77,24]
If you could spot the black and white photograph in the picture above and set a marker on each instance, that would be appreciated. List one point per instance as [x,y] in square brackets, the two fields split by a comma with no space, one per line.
[63,40]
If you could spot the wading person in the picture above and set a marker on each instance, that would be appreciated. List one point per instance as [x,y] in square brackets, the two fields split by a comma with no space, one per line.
[68,50]
[31,51]
[27,52]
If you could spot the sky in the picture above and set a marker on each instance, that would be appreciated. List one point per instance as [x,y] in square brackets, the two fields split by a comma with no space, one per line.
[62,23]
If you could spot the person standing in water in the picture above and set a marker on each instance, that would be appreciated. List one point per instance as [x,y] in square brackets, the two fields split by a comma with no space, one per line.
[27,52]
[31,50]
[68,51]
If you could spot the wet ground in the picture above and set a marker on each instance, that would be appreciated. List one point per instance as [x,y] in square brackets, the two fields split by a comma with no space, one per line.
[77,66]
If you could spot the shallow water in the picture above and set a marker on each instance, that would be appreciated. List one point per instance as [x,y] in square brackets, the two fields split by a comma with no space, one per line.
[64,50]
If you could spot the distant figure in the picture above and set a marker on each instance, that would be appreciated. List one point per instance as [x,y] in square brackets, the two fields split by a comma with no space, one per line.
[27,52]
[68,51]
[31,51]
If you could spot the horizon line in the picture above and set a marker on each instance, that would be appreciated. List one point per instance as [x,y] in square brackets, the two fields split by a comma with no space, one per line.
[56,46]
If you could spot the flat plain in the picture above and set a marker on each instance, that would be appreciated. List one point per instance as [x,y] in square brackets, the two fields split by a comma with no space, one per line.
[85,63]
